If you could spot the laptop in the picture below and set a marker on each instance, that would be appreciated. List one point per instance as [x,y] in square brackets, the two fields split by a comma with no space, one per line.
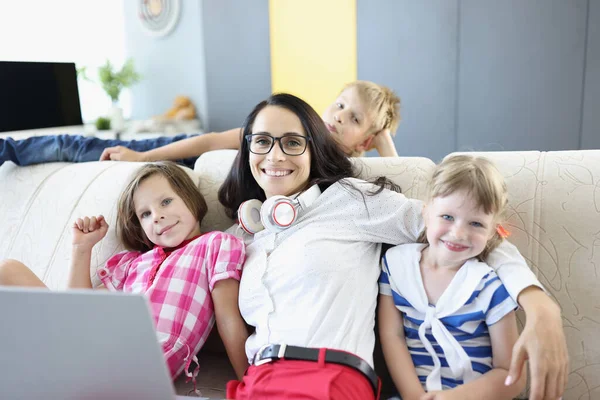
[75,345]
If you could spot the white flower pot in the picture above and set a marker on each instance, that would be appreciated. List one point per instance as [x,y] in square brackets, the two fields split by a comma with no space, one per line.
[117,122]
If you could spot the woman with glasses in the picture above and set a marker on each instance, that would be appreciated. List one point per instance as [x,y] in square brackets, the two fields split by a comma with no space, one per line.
[309,285]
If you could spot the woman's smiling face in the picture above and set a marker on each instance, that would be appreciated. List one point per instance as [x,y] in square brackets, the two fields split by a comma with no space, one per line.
[276,172]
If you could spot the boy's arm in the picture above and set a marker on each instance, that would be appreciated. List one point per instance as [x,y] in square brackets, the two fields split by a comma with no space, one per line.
[503,335]
[190,147]
[395,351]
[230,324]
[384,144]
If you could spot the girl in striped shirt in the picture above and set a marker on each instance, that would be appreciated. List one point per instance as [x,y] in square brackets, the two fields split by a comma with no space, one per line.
[446,322]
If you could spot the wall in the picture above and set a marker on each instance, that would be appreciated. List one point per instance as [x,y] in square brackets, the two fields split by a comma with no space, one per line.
[170,65]
[520,74]
[486,75]
[411,47]
[218,54]
[472,74]
[238,73]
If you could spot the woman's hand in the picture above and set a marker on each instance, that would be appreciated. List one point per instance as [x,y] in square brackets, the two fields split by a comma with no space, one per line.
[543,343]
[121,153]
[430,396]
[88,231]
[438,395]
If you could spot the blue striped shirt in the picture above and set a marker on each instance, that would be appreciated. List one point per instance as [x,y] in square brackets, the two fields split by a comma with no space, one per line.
[483,301]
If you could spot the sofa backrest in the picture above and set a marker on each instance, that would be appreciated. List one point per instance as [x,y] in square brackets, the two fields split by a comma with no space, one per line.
[410,173]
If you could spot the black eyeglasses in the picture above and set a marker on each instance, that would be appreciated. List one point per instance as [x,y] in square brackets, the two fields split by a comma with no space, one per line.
[292,145]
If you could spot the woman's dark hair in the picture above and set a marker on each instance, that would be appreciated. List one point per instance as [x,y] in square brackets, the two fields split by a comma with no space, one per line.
[328,163]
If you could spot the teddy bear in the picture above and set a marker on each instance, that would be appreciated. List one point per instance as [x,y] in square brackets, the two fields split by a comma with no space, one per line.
[180,118]
[182,109]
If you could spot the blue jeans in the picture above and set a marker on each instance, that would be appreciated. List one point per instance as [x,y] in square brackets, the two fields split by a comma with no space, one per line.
[75,148]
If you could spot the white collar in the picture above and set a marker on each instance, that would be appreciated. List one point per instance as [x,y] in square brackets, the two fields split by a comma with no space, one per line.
[459,291]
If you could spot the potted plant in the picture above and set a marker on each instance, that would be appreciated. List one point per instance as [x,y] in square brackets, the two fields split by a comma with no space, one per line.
[113,82]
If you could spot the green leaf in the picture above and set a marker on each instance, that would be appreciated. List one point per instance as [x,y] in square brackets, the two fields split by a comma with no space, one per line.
[113,82]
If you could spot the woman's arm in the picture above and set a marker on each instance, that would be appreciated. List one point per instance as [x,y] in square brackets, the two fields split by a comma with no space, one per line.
[490,386]
[512,269]
[230,324]
[395,351]
[86,233]
[385,217]
[543,339]
[543,342]
[190,147]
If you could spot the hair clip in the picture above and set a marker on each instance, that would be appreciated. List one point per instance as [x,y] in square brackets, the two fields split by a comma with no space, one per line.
[502,232]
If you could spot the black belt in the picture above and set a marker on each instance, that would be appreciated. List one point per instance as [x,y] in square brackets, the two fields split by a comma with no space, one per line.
[274,352]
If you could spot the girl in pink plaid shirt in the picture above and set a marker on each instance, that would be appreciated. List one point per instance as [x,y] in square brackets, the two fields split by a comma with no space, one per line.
[187,276]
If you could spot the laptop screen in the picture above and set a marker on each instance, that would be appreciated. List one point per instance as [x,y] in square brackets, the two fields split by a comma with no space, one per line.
[37,95]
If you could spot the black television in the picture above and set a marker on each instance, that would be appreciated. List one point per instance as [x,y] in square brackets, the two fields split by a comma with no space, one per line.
[35,95]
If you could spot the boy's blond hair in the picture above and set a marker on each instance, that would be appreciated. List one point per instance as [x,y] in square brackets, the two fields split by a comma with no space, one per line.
[480,178]
[382,102]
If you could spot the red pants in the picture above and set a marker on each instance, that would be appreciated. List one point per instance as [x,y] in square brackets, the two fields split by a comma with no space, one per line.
[301,380]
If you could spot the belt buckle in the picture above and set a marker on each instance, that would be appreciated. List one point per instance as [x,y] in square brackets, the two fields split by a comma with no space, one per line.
[259,355]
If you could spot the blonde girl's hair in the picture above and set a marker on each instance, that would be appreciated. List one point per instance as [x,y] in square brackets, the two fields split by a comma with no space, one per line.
[129,229]
[382,102]
[481,179]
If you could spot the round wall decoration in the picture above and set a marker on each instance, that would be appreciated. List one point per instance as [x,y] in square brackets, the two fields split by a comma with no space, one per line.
[159,17]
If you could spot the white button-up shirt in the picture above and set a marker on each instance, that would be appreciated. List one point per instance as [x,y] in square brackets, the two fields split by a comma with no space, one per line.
[315,284]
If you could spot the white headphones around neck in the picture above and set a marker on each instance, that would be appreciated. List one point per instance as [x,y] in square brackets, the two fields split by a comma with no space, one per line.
[276,214]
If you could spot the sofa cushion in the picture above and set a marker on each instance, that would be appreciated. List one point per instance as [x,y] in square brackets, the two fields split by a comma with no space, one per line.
[212,168]
[410,173]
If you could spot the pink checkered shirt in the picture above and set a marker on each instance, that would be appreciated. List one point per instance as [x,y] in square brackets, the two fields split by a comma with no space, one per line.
[178,286]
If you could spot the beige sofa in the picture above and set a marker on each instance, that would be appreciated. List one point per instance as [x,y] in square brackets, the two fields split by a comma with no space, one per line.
[554,220]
